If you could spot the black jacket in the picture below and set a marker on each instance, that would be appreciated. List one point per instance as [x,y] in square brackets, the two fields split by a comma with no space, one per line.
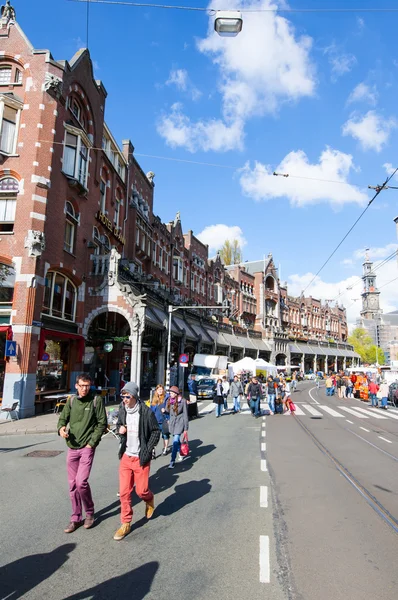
[149,432]
[255,390]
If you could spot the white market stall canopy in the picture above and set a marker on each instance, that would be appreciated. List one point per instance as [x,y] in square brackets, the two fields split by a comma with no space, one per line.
[254,366]
[263,365]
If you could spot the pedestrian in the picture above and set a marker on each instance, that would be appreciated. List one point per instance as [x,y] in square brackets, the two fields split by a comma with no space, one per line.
[383,393]
[294,381]
[219,398]
[177,408]
[139,434]
[373,389]
[158,408]
[329,386]
[255,394]
[271,394]
[193,397]
[82,422]
[236,393]
[290,406]
[225,391]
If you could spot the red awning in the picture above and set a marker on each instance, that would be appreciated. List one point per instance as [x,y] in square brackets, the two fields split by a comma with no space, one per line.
[52,333]
[6,329]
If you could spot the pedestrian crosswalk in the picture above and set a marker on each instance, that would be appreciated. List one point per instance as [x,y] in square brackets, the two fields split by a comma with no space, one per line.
[309,410]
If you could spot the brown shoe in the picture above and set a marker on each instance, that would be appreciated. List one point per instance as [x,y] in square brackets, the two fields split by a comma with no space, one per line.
[88,522]
[149,508]
[123,530]
[73,525]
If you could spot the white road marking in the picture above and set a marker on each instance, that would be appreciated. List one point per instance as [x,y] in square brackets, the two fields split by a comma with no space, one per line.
[384,439]
[263,464]
[312,410]
[263,434]
[208,409]
[364,429]
[263,496]
[312,397]
[353,411]
[389,414]
[350,422]
[263,447]
[331,411]
[371,413]
[264,559]
[263,418]
[394,410]
[299,412]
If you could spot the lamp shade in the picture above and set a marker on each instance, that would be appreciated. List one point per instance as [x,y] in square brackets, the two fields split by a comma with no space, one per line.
[228,23]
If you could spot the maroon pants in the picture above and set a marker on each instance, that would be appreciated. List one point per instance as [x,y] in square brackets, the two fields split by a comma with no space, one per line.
[79,463]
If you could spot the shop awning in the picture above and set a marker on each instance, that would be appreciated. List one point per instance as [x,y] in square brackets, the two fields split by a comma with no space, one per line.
[201,332]
[152,317]
[234,340]
[183,326]
[222,341]
[161,315]
[53,333]
[7,329]
[257,343]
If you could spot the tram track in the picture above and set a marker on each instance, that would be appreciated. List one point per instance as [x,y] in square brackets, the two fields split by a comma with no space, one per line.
[371,500]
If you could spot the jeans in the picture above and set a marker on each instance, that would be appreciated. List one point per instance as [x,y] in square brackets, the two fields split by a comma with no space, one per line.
[79,463]
[236,403]
[348,392]
[271,402]
[130,473]
[373,399]
[225,403]
[175,447]
[329,391]
[219,408]
[255,406]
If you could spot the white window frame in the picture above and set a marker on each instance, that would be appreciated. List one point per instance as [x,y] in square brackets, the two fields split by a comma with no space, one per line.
[9,197]
[14,105]
[82,140]
[116,216]
[103,196]
[72,220]
[53,274]
[9,69]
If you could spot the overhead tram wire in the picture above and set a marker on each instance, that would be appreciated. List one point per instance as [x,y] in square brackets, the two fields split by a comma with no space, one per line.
[380,189]
[242,9]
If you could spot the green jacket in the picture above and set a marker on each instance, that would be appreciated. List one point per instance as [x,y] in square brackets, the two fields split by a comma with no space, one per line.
[87,424]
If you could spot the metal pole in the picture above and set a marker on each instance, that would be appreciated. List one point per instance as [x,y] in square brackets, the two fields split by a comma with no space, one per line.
[168,348]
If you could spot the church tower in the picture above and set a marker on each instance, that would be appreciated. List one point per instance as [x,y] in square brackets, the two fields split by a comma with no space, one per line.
[370,295]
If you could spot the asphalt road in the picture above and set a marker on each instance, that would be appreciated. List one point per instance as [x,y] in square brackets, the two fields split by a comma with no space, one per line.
[297,507]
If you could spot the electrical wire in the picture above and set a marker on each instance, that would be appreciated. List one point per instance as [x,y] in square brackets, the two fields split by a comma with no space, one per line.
[380,189]
[243,9]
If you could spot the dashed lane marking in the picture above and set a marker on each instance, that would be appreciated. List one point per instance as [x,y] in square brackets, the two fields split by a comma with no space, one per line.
[263,464]
[264,559]
[364,429]
[385,439]
[312,410]
[263,433]
[263,496]
[263,447]
[350,422]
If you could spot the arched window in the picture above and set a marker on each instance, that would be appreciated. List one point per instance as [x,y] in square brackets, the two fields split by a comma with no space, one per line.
[5,75]
[72,220]
[9,188]
[60,295]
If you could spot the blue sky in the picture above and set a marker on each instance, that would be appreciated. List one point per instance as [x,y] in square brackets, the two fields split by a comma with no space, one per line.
[311,94]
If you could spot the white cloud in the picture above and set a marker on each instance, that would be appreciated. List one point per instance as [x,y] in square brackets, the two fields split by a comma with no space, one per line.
[372,130]
[351,287]
[266,65]
[341,62]
[216,235]
[260,183]
[376,253]
[347,262]
[389,168]
[364,93]
[181,80]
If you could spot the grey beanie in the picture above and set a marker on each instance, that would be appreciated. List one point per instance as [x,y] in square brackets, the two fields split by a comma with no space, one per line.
[132,388]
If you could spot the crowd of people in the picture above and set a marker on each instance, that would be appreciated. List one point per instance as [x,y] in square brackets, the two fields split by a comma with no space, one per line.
[364,386]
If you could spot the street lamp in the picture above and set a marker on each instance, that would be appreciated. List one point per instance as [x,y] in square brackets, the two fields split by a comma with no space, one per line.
[228,23]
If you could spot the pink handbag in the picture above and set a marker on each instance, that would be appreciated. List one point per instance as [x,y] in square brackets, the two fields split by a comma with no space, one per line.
[184,447]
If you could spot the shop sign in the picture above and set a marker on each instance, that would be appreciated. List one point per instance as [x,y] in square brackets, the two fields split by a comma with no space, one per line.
[37,324]
[108,347]
[110,227]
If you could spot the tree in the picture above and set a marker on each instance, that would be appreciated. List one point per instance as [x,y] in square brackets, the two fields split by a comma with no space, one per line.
[231,253]
[364,345]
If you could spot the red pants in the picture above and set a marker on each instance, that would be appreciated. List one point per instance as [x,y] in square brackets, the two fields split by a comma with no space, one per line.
[130,473]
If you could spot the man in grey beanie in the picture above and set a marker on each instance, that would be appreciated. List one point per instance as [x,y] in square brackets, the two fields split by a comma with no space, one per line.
[139,433]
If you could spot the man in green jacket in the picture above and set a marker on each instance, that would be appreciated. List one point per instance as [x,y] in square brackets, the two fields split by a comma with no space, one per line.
[85,413]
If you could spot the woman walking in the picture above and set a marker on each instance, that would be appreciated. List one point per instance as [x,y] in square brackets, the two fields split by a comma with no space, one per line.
[383,392]
[158,408]
[176,407]
[219,398]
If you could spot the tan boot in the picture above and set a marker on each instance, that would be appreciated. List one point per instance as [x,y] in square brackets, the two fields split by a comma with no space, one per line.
[149,508]
[122,531]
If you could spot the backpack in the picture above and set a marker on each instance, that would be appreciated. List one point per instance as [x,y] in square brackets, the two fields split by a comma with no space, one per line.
[278,408]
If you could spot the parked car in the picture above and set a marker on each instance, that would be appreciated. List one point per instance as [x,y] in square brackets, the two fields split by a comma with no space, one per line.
[206,389]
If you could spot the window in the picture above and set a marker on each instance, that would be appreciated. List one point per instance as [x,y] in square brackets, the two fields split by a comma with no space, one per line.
[9,188]
[102,196]
[75,108]
[5,75]
[116,216]
[70,228]
[18,76]
[59,297]
[137,237]
[8,137]
[178,272]
[75,158]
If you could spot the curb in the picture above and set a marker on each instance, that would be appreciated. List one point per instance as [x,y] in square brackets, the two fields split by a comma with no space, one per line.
[28,432]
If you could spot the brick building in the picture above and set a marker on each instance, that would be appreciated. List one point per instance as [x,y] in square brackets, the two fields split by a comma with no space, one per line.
[87,270]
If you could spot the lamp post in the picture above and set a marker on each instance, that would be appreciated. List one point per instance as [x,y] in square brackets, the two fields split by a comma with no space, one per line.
[228,23]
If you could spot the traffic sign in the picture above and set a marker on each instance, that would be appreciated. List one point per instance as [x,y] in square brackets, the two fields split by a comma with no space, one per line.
[11,348]
[45,356]
[184,359]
